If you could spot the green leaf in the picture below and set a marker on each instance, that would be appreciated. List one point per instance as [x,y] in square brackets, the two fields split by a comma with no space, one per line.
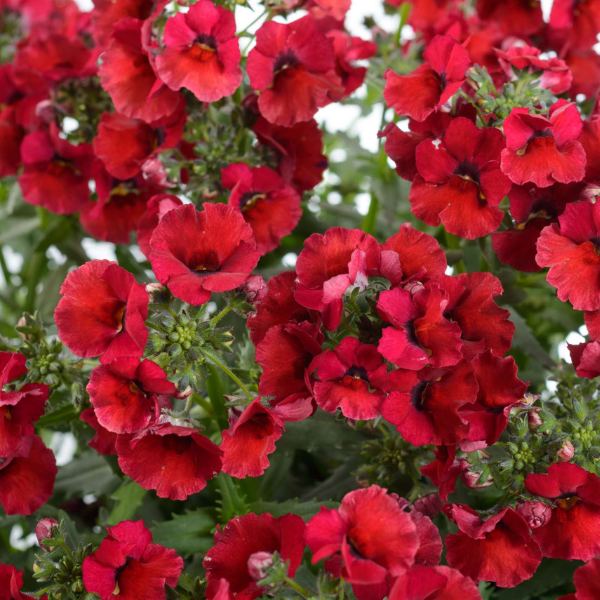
[87,474]
[525,341]
[129,498]
[187,534]
[18,228]
[232,502]
[306,510]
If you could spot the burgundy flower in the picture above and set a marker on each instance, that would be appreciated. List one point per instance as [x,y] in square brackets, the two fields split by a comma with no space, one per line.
[544,149]
[124,144]
[293,66]
[158,206]
[174,461]
[11,136]
[444,470]
[278,308]
[246,537]
[103,440]
[574,23]
[56,173]
[299,150]
[11,582]
[459,181]
[124,393]
[127,565]
[201,52]
[27,477]
[330,265]
[106,14]
[570,249]
[128,76]
[499,549]
[419,335]
[102,312]
[352,377]
[268,204]
[572,532]
[250,438]
[195,252]
[515,17]
[431,85]
[370,532]
[434,583]
[425,405]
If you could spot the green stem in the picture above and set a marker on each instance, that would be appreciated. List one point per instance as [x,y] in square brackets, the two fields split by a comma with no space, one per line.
[219,316]
[91,362]
[219,363]
[4,268]
[262,14]
[354,306]
[404,12]
[296,586]
[207,406]
[350,329]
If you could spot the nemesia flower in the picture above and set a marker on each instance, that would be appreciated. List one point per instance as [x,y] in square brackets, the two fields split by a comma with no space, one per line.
[56,173]
[459,181]
[575,24]
[124,393]
[124,144]
[293,66]
[299,149]
[445,470]
[102,312]
[591,145]
[431,85]
[587,582]
[103,440]
[499,549]
[515,17]
[268,204]
[572,531]
[246,537]
[585,68]
[330,265]
[12,366]
[277,308]
[419,335]
[195,253]
[106,13]
[127,565]
[201,52]
[11,581]
[156,208]
[371,533]
[353,377]
[175,461]
[250,438]
[586,356]
[569,248]
[128,76]
[544,149]
[11,136]
[424,405]
[27,477]
[429,583]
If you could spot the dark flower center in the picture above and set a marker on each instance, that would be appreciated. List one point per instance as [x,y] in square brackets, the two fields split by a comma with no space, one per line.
[160,136]
[285,60]
[545,208]
[357,373]
[411,333]
[203,48]
[120,569]
[205,263]
[177,444]
[468,170]
[123,187]
[137,387]
[354,550]
[567,501]
[249,199]
[417,397]
[444,80]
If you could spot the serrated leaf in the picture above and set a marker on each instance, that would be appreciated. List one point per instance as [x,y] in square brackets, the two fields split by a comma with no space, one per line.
[87,474]
[525,341]
[306,510]
[187,534]
[129,498]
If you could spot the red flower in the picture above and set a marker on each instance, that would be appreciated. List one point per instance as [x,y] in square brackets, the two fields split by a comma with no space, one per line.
[246,537]
[419,335]
[285,355]
[55,173]
[515,17]
[195,252]
[124,144]
[201,52]
[589,140]
[128,566]
[532,209]
[434,583]
[570,249]
[535,513]
[431,85]
[572,533]
[499,549]
[352,377]
[459,181]
[127,75]
[371,533]
[293,66]
[174,461]
[102,312]
[12,366]
[158,206]
[269,205]
[11,136]
[444,470]
[11,581]
[483,324]
[250,438]
[278,308]
[299,150]
[103,441]
[544,150]
[425,405]
[332,263]
[347,50]
[124,393]
[106,14]
[575,24]
[587,582]
[585,67]
[27,477]
[410,253]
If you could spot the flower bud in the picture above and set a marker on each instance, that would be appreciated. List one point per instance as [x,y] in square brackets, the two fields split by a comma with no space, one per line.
[534,420]
[535,513]
[566,452]
[258,564]
[43,530]
[429,505]
[471,480]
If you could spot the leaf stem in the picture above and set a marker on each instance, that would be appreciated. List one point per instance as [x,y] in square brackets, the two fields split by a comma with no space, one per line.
[221,365]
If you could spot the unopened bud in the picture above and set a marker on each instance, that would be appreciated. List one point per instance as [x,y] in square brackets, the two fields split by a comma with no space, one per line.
[43,530]
[429,505]
[534,419]
[258,564]
[535,513]
[472,480]
[566,452]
